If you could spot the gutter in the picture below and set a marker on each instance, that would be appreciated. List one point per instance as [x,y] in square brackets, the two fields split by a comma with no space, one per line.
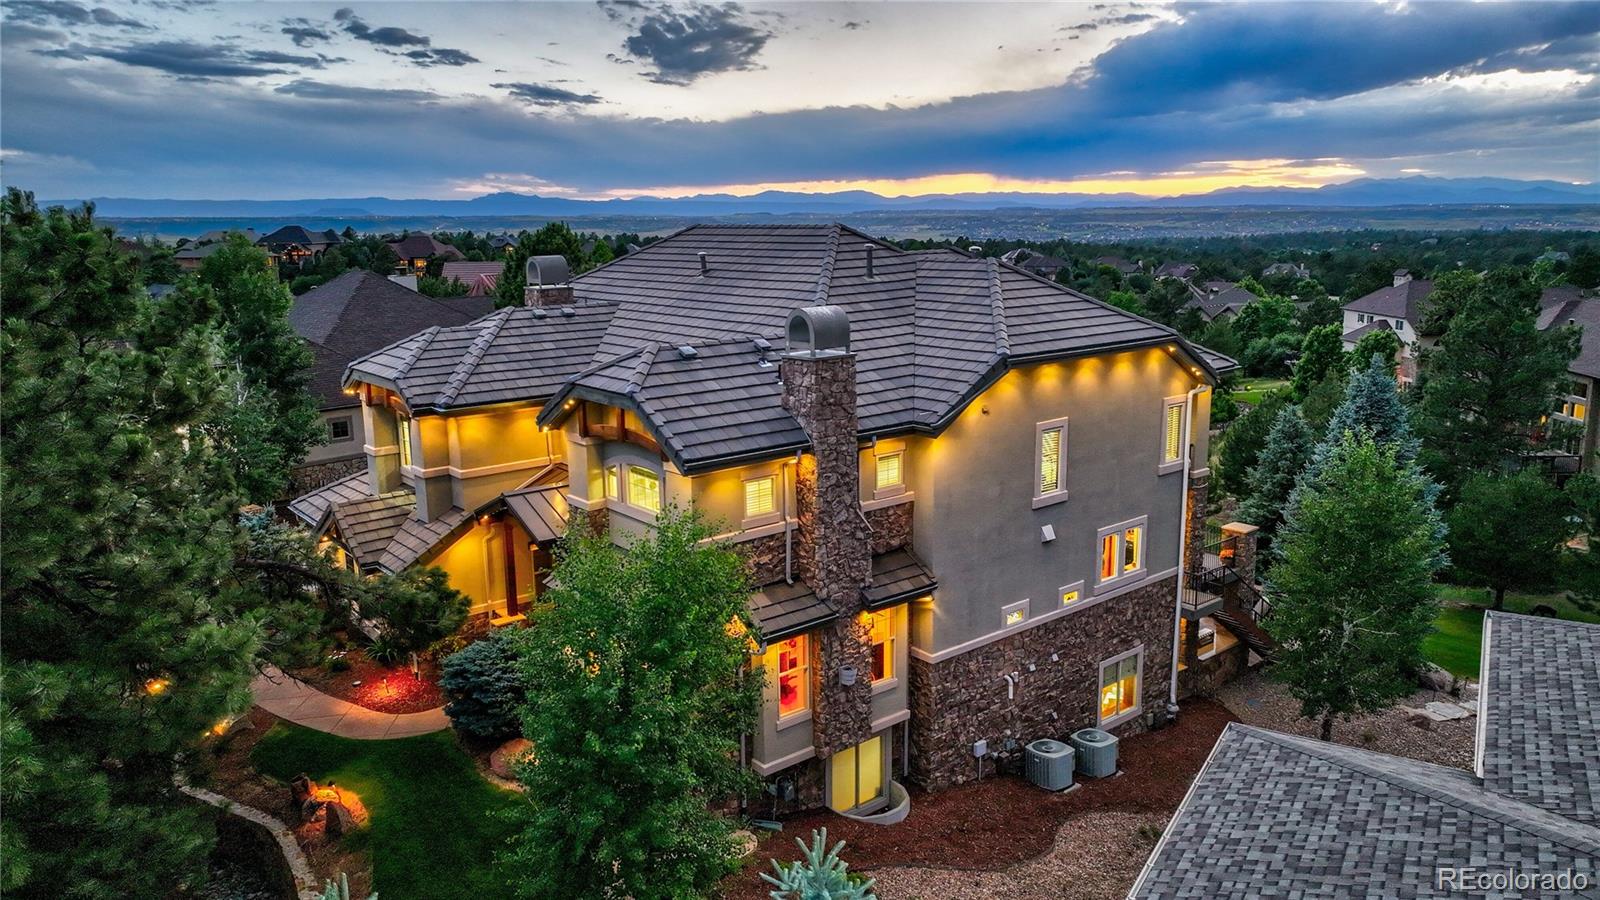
[1183,535]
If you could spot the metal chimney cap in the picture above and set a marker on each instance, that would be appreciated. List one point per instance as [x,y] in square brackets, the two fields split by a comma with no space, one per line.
[819,331]
[546,271]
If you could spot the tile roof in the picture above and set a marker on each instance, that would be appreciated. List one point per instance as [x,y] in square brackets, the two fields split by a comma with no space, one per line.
[929,330]
[1397,301]
[366,526]
[1540,725]
[897,575]
[1275,815]
[479,277]
[310,507]
[781,609]
[359,312]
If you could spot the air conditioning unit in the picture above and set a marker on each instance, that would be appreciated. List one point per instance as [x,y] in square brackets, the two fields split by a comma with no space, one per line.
[1049,764]
[1097,752]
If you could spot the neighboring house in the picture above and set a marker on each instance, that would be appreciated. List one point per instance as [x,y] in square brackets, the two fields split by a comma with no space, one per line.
[1571,306]
[347,318]
[479,277]
[1118,263]
[1219,300]
[961,488]
[416,250]
[296,244]
[1180,270]
[503,243]
[1033,261]
[1295,270]
[190,254]
[1398,308]
[1276,815]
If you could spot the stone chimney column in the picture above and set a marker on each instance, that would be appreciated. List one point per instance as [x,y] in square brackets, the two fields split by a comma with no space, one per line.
[834,557]
[1243,535]
[546,282]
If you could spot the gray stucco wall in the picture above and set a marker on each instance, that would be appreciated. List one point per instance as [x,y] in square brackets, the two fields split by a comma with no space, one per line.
[975,525]
[337,450]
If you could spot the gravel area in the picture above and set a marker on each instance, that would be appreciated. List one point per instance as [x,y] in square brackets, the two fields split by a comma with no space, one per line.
[1257,700]
[1096,856]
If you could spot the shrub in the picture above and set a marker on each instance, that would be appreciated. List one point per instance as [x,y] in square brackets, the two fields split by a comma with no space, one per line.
[386,651]
[484,688]
[416,608]
[820,874]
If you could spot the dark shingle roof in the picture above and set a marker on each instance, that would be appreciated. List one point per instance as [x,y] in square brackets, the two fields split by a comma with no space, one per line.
[359,312]
[1275,815]
[298,234]
[781,610]
[1370,327]
[1541,713]
[1229,299]
[423,246]
[897,575]
[310,507]
[1399,301]
[929,329]
[1561,307]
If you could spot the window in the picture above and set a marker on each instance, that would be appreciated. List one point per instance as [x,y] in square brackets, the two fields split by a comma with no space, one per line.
[1050,469]
[339,429]
[882,625]
[1014,614]
[1121,550]
[856,775]
[789,661]
[644,488]
[1071,593]
[1119,688]
[403,438]
[760,497]
[891,471]
[1172,432]
[613,483]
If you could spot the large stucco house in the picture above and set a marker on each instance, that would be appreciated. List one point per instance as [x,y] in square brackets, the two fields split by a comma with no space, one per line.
[966,492]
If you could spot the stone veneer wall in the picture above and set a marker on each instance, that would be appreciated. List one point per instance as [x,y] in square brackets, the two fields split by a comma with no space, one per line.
[1203,677]
[891,527]
[303,479]
[963,699]
[1194,548]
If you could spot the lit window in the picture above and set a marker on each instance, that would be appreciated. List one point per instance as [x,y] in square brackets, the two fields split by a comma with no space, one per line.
[1015,614]
[1119,688]
[644,488]
[1108,557]
[788,660]
[1050,472]
[1172,438]
[1132,545]
[613,483]
[882,625]
[891,472]
[1579,410]
[403,438]
[1069,596]
[760,497]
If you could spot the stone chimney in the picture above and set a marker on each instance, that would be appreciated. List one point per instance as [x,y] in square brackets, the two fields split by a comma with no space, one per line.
[547,282]
[834,557]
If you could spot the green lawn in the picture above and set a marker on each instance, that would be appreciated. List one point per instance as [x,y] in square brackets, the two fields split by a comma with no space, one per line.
[434,825]
[1457,639]
[1251,390]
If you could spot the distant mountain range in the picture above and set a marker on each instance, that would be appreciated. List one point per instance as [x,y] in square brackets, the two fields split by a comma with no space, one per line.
[1363,192]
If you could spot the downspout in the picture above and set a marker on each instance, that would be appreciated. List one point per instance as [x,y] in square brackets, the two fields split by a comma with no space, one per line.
[788,530]
[1183,539]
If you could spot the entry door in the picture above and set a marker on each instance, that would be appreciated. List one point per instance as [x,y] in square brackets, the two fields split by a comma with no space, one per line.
[857,776]
[494,566]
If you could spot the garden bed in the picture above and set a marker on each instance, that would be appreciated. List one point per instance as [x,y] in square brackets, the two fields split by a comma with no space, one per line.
[1004,821]
[351,675]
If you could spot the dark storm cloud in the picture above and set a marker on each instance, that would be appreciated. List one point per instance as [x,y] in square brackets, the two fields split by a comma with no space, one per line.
[65,12]
[546,95]
[103,16]
[321,90]
[687,43]
[191,59]
[394,40]
[304,33]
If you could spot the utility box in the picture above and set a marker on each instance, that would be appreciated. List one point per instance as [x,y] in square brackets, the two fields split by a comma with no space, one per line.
[1096,752]
[1048,764]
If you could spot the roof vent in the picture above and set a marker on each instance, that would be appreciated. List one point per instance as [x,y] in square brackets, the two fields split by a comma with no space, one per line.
[869,248]
[568,312]
[705,263]
[816,331]
[975,250]
[688,352]
[543,271]
[539,313]
[762,344]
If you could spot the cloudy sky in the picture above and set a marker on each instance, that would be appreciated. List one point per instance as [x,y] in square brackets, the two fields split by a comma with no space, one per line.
[169,98]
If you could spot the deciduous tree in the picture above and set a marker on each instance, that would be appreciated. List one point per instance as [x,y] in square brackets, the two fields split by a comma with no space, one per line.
[1507,531]
[1320,353]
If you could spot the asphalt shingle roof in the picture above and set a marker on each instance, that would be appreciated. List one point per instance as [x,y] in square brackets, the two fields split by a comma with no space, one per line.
[1564,306]
[1541,713]
[359,312]
[929,329]
[1398,301]
[1276,815]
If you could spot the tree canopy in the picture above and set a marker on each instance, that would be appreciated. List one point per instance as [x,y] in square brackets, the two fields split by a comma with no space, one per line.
[1507,531]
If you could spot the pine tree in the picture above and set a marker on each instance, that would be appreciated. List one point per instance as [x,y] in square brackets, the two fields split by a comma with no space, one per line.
[1287,452]
[1492,379]
[1507,531]
[637,696]
[1352,589]
[1372,408]
[819,875]
[1243,442]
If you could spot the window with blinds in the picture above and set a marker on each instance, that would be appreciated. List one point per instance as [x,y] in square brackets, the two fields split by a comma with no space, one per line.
[1049,460]
[891,473]
[760,497]
[1172,442]
[644,488]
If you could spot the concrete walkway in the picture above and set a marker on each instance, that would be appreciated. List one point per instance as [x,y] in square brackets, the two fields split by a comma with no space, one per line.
[290,698]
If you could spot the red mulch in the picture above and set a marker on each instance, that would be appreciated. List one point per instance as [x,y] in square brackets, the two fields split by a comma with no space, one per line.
[387,689]
[1002,820]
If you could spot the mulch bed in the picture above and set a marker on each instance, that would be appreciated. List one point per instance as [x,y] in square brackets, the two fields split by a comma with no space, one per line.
[234,776]
[386,689]
[1003,820]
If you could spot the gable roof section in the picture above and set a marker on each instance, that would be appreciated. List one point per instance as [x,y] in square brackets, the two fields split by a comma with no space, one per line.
[311,506]
[1278,815]
[359,312]
[422,246]
[299,234]
[1562,306]
[1370,327]
[366,526]
[1540,725]
[1232,298]
[1398,301]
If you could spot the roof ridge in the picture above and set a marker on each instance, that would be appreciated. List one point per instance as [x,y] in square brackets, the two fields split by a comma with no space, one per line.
[428,334]
[641,369]
[473,355]
[997,309]
[825,277]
